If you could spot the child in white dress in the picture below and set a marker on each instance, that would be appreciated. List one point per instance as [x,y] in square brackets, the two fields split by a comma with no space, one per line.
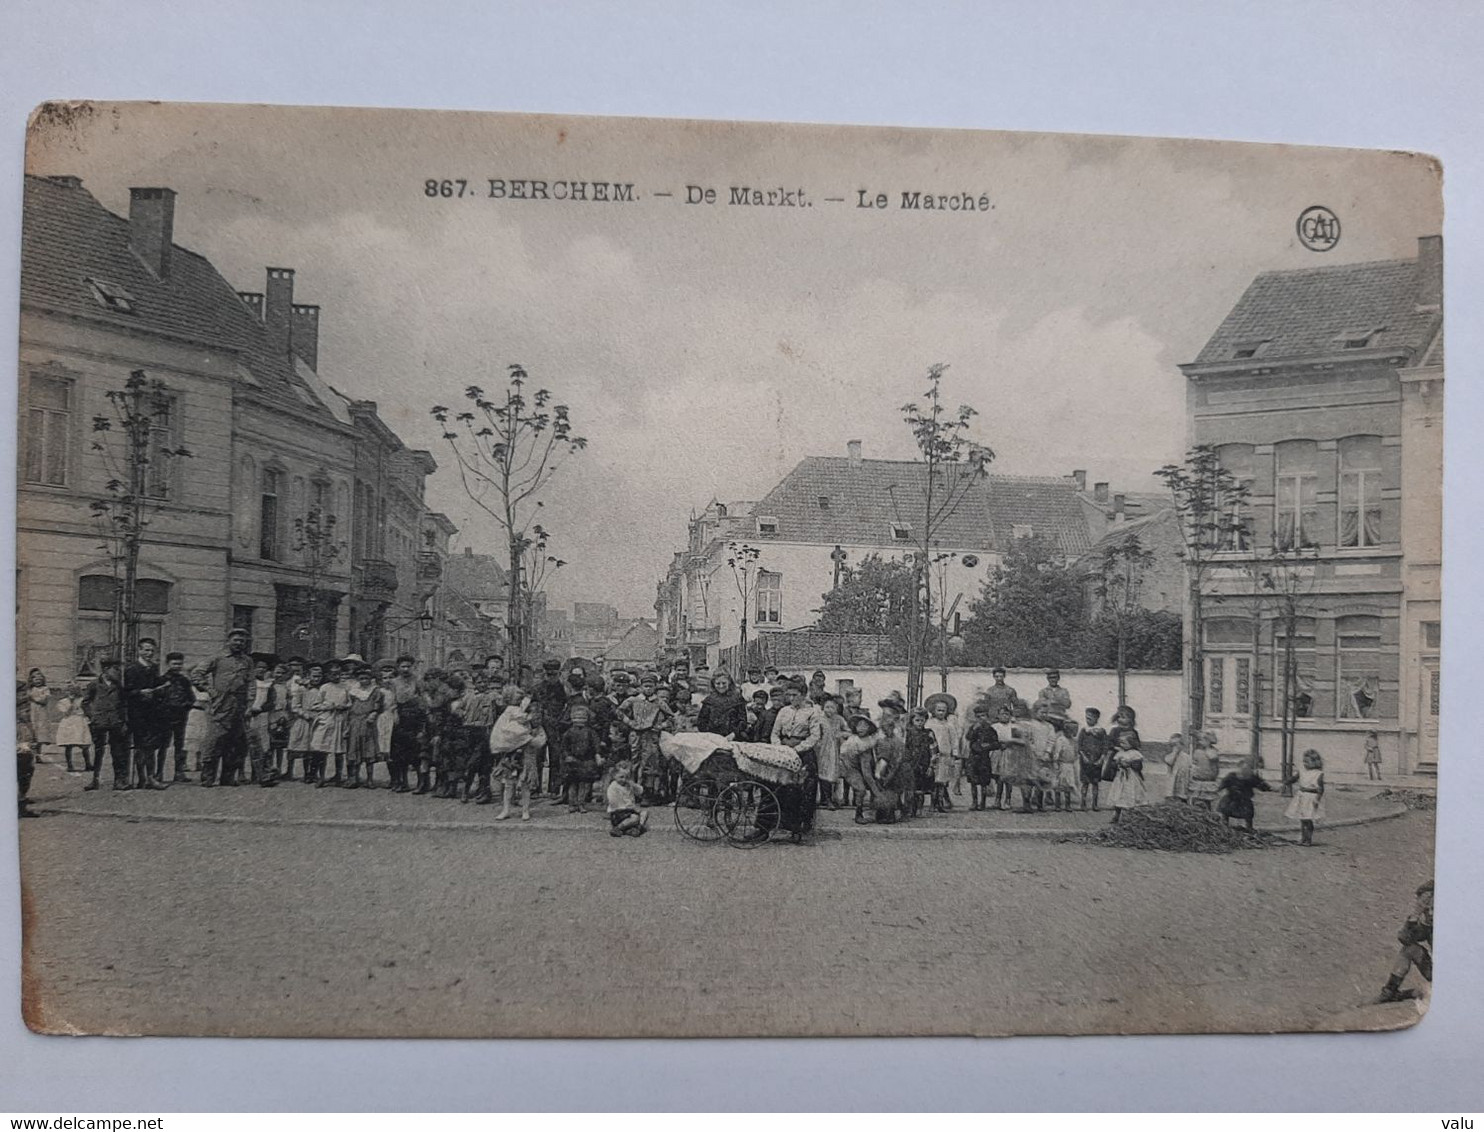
[72,727]
[1308,796]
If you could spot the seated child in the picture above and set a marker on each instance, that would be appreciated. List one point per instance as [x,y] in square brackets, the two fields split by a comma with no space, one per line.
[1236,790]
[625,816]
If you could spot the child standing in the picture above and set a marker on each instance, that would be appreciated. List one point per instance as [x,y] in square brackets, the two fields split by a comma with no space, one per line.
[1308,798]
[72,728]
[646,714]
[1372,756]
[1067,774]
[1092,752]
[1128,789]
[923,754]
[580,753]
[360,726]
[1007,759]
[983,743]
[303,702]
[947,740]
[625,817]
[329,727]
[507,742]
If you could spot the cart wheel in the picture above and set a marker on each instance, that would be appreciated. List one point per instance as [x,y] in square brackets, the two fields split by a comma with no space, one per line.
[747,813]
[695,811]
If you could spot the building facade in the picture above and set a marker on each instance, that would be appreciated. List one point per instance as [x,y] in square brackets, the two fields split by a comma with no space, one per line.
[254,528]
[1318,393]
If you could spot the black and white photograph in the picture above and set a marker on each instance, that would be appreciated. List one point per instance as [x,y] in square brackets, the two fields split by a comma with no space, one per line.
[501,575]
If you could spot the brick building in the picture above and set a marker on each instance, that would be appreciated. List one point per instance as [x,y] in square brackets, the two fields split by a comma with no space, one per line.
[1322,391]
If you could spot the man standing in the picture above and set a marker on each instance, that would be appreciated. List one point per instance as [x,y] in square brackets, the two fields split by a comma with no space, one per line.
[1054,703]
[410,721]
[146,728]
[103,704]
[801,726]
[551,694]
[227,679]
[176,697]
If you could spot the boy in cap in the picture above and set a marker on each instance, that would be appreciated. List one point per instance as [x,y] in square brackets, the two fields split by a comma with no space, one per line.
[646,714]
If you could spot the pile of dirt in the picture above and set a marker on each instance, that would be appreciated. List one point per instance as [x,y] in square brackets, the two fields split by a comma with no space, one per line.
[1174,827]
[1412,799]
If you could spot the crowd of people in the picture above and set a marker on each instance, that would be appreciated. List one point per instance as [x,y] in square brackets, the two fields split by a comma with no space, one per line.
[583,737]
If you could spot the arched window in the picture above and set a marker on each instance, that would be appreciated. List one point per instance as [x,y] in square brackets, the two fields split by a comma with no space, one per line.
[96,594]
[1357,666]
[1360,491]
[1296,506]
[268,515]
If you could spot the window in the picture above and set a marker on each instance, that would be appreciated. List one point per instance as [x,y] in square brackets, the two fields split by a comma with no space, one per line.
[1360,491]
[901,532]
[268,516]
[161,458]
[1242,699]
[1357,338]
[1303,667]
[1215,684]
[1296,514]
[48,430]
[112,296]
[1022,530]
[1357,666]
[1432,634]
[95,608]
[1236,521]
[824,502]
[767,524]
[769,598]
[1228,631]
[1251,348]
[242,618]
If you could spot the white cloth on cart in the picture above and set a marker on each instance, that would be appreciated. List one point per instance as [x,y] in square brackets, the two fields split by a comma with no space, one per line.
[691,748]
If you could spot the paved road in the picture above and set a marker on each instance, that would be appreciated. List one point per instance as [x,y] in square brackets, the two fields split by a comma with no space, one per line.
[192,927]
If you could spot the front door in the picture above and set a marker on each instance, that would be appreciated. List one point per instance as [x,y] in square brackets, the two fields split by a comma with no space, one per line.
[1229,698]
[1427,732]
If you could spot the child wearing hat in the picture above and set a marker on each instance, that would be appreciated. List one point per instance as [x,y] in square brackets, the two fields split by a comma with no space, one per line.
[646,714]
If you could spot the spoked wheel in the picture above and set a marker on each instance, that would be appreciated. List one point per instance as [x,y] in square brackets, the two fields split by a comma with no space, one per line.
[747,813]
[695,811]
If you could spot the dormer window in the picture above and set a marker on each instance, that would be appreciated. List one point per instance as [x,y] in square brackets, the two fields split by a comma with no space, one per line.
[824,502]
[1251,348]
[112,296]
[767,524]
[1021,530]
[1357,338]
[901,532]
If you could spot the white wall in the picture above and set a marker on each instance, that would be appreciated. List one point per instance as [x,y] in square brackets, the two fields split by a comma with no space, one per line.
[1156,696]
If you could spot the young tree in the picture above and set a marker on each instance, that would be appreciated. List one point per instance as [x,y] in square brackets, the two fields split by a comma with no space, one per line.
[1282,584]
[507,448]
[1119,584]
[954,464]
[874,596]
[1209,504]
[742,558]
[1030,610]
[314,540]
[139,480]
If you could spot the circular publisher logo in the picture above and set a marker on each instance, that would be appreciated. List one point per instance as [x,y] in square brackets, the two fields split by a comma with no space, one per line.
[1318,228]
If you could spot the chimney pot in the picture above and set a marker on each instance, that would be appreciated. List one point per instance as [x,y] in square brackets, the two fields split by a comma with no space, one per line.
[278,309]
[1080,475]
[1430,271]
[304,333]
[152,227]
[1100,492]
[853,450]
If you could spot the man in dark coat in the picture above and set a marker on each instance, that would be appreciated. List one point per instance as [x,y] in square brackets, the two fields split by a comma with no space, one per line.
[174,700]
[141,706]
[103,704]
[227,679]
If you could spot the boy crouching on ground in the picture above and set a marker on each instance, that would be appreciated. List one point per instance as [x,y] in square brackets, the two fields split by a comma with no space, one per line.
[624,814]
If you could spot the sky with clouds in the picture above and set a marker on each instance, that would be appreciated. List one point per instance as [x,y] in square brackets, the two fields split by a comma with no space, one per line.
[705,350]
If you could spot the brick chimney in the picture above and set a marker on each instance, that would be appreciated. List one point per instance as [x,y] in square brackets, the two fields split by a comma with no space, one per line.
[1118,501]
[1100,492]
[278,309]
[1080,476]
[304,335]
[853,450]
[1429,272]
[253,300]
[152,227]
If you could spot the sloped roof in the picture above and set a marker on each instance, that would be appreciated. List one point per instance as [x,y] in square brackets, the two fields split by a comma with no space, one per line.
[68,238]
[637,642]
[1303,312]
[1157,531]
[828,500]
[477,577]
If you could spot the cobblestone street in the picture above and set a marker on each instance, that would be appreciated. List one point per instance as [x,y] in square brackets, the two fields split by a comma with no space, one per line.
[459,926]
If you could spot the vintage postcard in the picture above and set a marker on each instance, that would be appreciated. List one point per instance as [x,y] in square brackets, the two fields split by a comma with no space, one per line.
[511,576]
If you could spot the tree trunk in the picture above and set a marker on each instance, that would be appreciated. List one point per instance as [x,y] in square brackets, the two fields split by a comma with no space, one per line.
[1122,665]
[1254,693]
[1197,658]
[514,612]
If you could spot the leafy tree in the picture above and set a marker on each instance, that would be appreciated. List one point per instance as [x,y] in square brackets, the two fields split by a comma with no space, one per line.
[507,447]
[874,596]
[1030,611]
[1152,639]
[1121,567]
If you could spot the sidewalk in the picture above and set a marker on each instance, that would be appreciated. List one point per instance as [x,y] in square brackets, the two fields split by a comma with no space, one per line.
[293,803]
